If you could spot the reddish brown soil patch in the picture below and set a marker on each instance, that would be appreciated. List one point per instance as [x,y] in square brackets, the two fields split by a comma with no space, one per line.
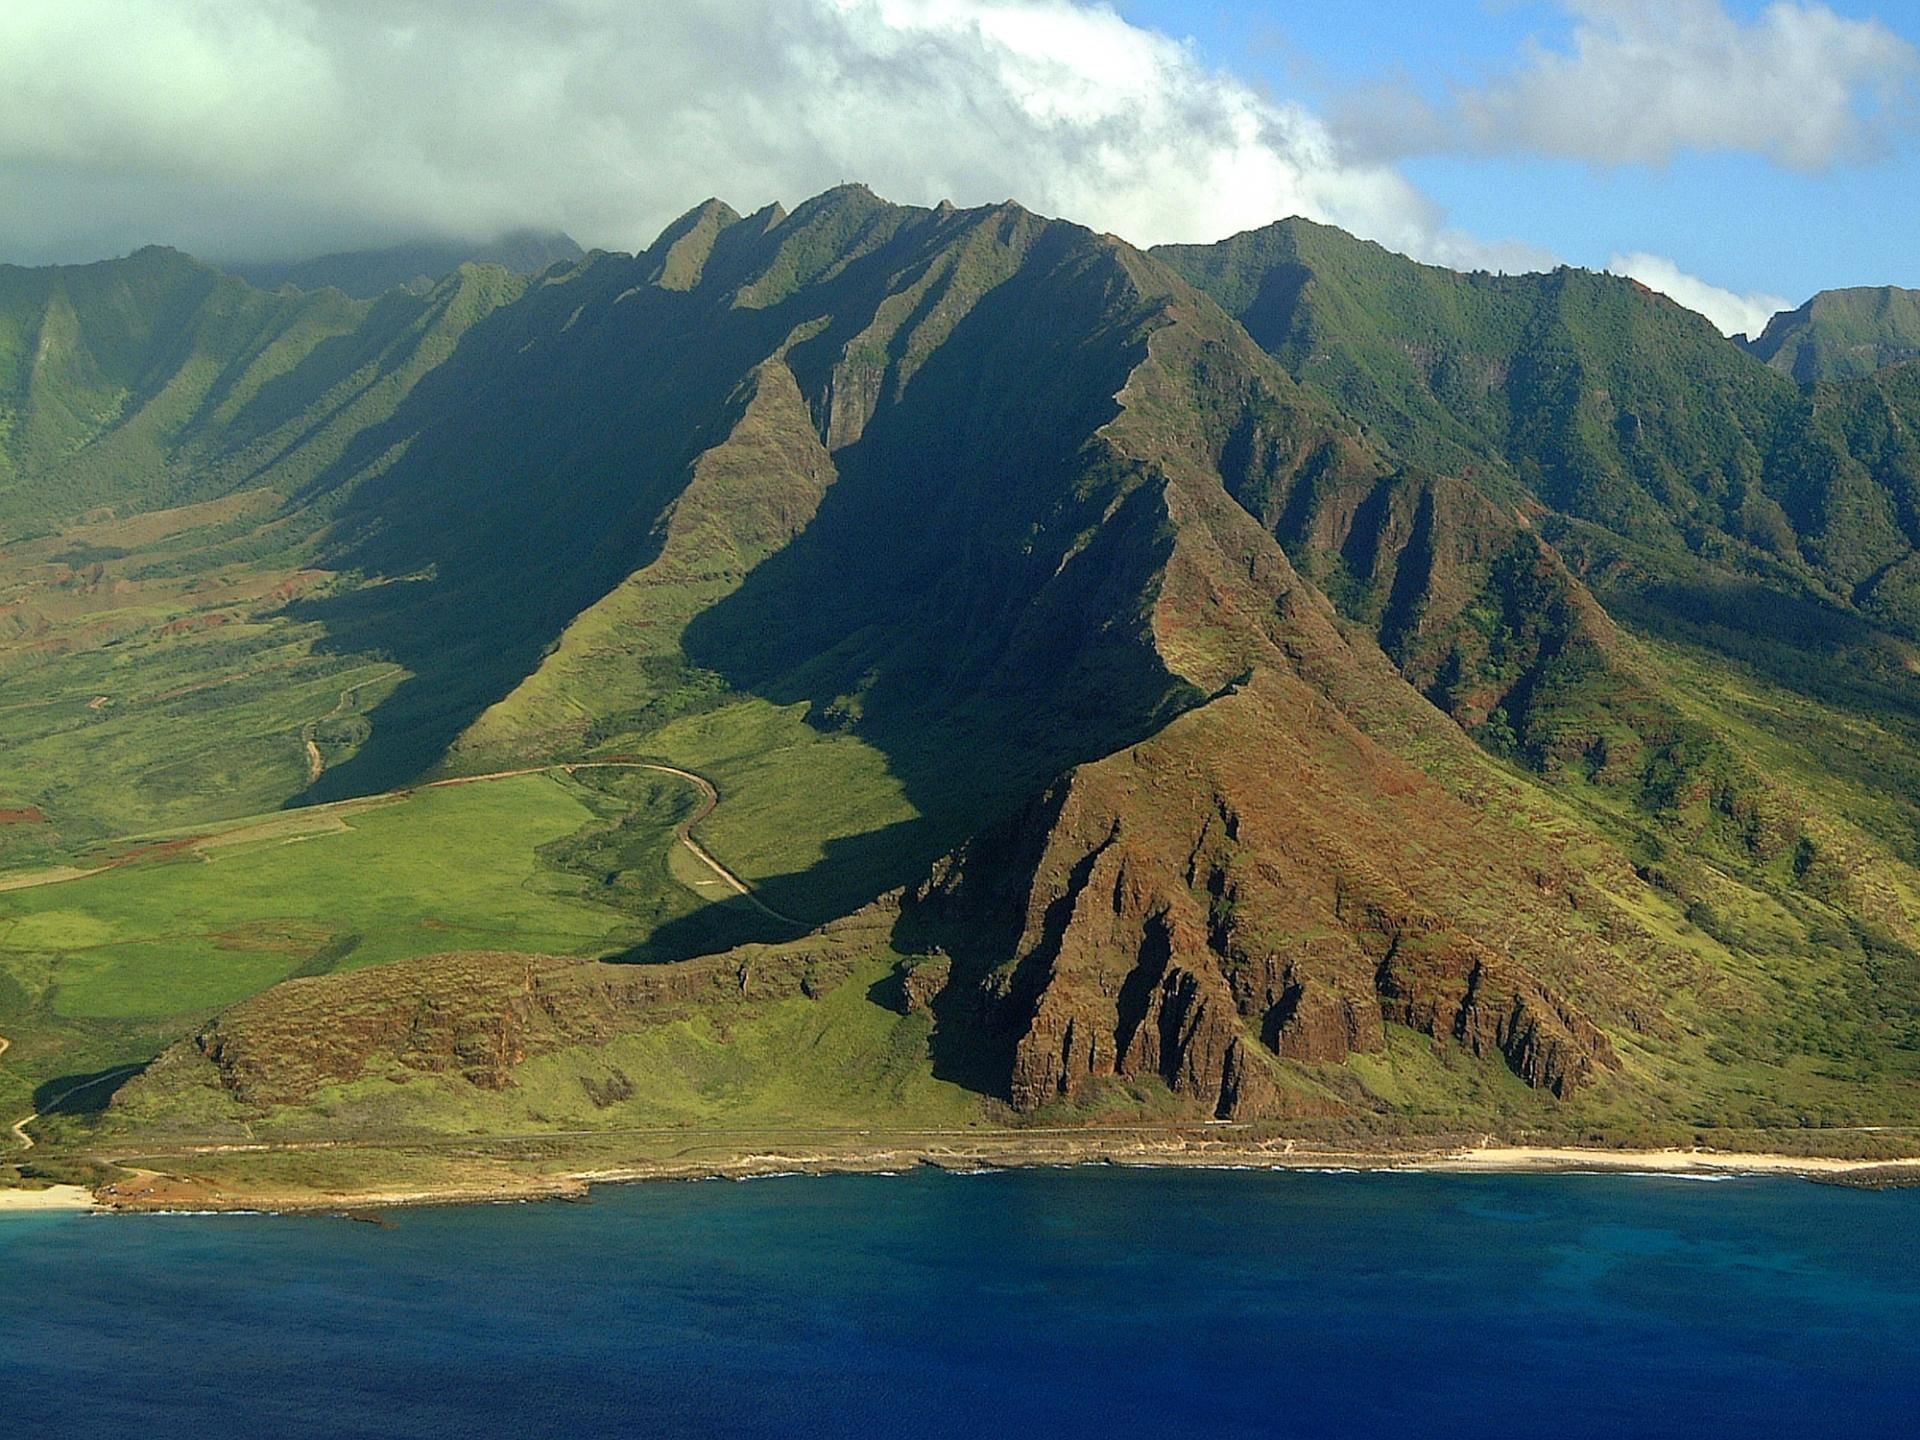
[188,624]
[148,1191]
[159,850]
[23,815]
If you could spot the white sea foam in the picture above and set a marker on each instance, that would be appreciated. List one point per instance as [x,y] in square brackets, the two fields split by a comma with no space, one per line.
[1314,1169]
[1699,1177]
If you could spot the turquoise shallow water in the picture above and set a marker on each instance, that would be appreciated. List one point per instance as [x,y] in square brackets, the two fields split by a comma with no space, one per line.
[1069,1303]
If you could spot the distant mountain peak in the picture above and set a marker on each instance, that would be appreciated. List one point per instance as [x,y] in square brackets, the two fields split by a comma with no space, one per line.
[679,257]
[1843,334]
[366,274]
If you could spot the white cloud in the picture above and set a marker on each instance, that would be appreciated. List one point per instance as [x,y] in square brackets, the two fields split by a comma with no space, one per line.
[1735,314]
[1645,79]
[264,126]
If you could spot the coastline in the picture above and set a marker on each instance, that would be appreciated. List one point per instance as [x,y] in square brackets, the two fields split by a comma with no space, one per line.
[1523,1160]
[48,1198]
[153,1190]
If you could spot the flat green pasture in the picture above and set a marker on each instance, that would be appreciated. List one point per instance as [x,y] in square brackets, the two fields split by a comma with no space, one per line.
[107,969]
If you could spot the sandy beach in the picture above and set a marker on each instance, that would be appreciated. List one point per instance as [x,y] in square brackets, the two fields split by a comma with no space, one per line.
[1509,1160]
[52,1197]
[1522,1159]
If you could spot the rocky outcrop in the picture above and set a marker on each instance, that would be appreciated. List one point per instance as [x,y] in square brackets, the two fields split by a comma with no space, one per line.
[1494,1008]
[478,1015]
[1218,899]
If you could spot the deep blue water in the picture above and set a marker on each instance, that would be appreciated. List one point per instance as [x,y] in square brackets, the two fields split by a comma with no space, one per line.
[1084,1302]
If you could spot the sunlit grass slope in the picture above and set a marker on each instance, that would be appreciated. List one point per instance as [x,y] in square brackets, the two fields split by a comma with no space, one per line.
[93,968]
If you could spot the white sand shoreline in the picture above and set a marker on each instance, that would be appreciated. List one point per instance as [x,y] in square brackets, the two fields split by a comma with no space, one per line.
[51,1197]
[760,1164]
[1521,1159]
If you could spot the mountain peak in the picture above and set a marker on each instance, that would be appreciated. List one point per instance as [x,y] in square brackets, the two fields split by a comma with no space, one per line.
[1842,334]
[678,259]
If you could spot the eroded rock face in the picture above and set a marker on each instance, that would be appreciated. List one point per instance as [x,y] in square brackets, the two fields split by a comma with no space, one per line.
[1216,899]
[1313,1022]
[479,1014]
[464,1014]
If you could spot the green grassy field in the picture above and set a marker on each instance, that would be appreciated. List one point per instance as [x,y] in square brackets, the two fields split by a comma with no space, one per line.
[791,794]
[102,970]
[148,679]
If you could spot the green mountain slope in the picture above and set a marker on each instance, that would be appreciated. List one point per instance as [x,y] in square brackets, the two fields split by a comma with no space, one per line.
[1272,682]
[156,381]
[165,418]
[368,274]
[1657,460]
[1586,394]
[1843,334]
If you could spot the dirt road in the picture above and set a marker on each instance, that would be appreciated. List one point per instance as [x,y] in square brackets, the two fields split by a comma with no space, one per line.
[683,832]
[19,1127]
[316,762]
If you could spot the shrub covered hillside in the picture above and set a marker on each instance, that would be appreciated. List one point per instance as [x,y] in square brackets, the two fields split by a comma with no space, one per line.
[874,665]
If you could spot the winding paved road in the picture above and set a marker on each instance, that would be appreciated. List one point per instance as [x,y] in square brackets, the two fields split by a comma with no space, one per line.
[683,832]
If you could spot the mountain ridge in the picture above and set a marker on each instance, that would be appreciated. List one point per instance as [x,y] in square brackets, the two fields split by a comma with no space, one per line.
[1843,334]
[369,274]
[1316,718]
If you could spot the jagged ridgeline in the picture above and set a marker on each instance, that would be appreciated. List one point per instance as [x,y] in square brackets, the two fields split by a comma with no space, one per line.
[1270,681]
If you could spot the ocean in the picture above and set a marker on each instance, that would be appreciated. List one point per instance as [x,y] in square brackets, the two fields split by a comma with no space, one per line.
[1084,1302]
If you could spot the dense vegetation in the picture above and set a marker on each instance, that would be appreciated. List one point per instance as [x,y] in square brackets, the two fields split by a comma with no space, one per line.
[1272,681]
[1843,334]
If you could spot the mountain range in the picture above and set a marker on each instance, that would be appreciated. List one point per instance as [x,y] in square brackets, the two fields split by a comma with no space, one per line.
[368,274]
[1271,682]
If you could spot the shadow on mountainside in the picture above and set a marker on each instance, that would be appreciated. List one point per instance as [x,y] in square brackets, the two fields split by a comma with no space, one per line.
[87,1093]
[972,597]
[518,483]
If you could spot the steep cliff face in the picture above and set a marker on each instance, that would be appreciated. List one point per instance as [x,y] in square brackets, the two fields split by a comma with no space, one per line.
[1267,877]
[1258,882]
[1474,607]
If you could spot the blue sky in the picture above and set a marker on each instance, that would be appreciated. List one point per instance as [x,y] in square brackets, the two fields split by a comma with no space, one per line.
[1736,154]
[1739,219]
